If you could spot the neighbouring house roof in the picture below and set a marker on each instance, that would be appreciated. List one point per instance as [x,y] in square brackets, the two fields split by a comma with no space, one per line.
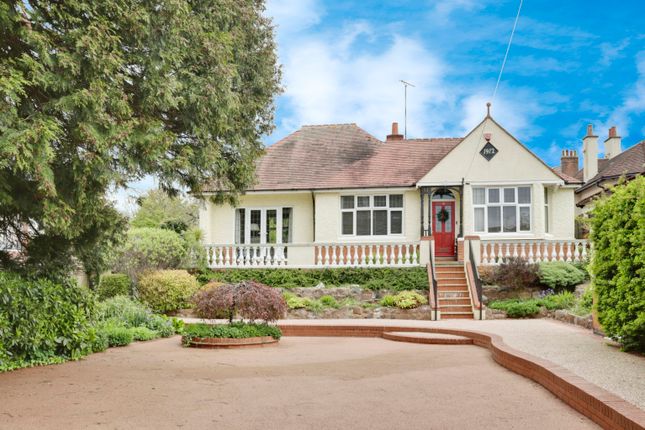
[629,163]
[568,179]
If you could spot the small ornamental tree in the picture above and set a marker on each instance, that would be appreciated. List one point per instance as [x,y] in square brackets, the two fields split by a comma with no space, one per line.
[618,263]
[248,299]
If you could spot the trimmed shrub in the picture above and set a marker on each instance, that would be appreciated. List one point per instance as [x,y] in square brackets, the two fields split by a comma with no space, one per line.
[404,300]
[167,290]
[143,333]
[560,275]
[618,263]
[518,308]
[150,249]
[113,284]
[118,335]
[398,279]
[129,313]
[101,341]
[516,273]
[43,321]
[247,299]
[235,330]
[329,302]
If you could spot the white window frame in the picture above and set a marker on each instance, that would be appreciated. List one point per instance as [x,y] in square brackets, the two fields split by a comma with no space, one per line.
[547,212]
[501,204]
[372,208]
[263,223]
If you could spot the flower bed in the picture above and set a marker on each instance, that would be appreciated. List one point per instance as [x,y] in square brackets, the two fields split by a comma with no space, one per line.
[232,335]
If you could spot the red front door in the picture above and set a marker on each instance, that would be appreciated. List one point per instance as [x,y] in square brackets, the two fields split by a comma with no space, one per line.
[443,228]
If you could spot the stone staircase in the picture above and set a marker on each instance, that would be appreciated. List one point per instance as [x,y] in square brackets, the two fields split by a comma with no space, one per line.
[452,290]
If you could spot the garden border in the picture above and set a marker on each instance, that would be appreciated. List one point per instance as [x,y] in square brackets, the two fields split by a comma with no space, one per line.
[604,408]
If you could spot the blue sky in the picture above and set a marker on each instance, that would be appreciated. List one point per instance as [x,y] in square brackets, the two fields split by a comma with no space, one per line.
[572,63]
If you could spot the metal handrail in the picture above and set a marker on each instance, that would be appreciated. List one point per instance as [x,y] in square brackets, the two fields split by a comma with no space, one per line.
[434,283]
[478,281]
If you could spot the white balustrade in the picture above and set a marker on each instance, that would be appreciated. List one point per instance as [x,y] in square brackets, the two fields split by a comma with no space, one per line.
[246,256]
[367,255]
[494,252]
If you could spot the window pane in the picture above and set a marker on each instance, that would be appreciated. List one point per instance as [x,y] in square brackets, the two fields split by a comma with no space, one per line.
[272,225]
[525,219]
[239,225]
[380,201]
[479,196]
[524,194]
[447,225]
[286,225]
[509,195]
[348,222]
[255,226]
[363,201]
[546,219]
[546,196]
[396,222]
[479,219]
[380,222]
[493,195]
[510,219]
[396,200]
[494,219]
[347,202]
[363,223]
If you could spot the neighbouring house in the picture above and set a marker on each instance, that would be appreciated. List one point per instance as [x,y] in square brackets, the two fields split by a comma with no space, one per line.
[599,174]
[336,196]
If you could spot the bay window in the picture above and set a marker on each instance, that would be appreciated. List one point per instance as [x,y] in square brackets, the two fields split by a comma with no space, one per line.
[377,215]
[502,209]
[263,225]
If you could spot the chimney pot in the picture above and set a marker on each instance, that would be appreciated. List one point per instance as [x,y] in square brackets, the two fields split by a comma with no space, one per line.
[612,132]
[395,133]
[569,162]
[613,143]
[589,129]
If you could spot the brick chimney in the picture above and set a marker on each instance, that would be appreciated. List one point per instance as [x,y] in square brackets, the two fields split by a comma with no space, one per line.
[589,154]
[395,133]
[612,144]
[569,162]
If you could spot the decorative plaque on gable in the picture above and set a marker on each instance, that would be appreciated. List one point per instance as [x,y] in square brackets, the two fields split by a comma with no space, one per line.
[488,151]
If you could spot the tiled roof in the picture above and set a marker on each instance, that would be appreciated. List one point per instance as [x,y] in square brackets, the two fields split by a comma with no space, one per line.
[629,162]
[345,156]
[568,179]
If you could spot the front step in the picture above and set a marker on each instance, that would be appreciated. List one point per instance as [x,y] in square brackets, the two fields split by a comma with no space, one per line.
[457,316]
[452,290]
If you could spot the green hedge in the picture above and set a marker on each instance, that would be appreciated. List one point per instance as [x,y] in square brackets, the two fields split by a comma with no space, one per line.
[398,279]
[523,308]
[236,330]
[618,263]
[113,284]
[43,321]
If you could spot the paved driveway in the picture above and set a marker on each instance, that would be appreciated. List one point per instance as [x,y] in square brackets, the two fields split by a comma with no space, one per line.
[303,383]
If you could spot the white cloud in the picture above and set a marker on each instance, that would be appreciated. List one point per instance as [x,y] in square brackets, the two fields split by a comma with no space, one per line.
[610,52]
[330,78]
[633,104]
[443,8]
[294,15]
[517,109]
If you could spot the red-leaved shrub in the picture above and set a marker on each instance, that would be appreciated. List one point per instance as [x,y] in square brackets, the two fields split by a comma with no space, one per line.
[248,299]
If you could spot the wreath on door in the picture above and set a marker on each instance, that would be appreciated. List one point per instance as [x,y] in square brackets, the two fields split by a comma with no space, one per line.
[443,215]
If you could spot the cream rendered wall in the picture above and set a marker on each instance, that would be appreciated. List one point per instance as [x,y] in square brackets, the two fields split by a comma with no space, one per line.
[328,218]
[513,165]
[218,221]
[563,213]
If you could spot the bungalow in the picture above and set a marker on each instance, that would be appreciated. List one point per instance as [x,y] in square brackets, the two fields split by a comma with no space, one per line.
[336,196]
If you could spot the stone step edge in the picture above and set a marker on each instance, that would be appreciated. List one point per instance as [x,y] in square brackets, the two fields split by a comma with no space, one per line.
[410,337]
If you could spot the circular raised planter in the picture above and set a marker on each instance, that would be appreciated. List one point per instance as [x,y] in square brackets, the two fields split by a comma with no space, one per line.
[221,342]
